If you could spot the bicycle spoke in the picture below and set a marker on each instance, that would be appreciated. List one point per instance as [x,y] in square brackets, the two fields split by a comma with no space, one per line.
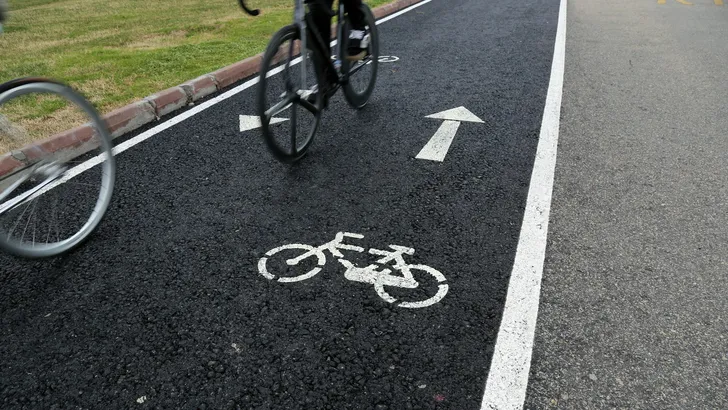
[308,106]
[29,195]
[280,107]
[58,231]
[54,221]
[294,116]
[35,225]
[34,202]
[42,211]
[20,218]
[288,77]
[82,184]
[283,95]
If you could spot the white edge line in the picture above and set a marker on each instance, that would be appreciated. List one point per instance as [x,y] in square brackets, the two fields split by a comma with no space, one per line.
[507,381]
[399,13]
[88,164]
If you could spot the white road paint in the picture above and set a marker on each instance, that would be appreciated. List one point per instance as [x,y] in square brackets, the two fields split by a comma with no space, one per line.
[461,114]
[251,122]
[507,381]
[399,13]
[310,250]
[141,400]
[388,59]
[377,274]
[436,149]
[75,171]
[382,59]
[438,146]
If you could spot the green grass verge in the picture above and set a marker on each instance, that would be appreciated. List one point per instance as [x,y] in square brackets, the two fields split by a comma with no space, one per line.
[119,51]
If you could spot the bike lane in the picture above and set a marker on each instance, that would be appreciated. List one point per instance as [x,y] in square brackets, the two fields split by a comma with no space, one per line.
[167,306]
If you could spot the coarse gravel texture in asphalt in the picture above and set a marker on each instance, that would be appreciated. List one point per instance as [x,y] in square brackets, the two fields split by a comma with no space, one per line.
[164,306]
[633,304]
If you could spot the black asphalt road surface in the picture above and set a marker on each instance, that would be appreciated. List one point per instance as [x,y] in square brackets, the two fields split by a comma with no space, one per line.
[164,307]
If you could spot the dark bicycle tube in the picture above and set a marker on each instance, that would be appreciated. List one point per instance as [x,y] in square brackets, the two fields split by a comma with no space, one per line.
[247,9]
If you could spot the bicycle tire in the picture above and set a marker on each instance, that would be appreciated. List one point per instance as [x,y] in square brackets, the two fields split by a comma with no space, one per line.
[357,99]
[60,162]
[271,60]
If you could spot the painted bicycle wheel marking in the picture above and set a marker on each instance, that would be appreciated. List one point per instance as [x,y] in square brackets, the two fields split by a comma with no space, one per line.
[382,59]
[388,59]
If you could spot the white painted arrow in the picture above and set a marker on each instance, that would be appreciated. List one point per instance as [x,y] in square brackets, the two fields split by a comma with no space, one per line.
[439,144]
[251,122]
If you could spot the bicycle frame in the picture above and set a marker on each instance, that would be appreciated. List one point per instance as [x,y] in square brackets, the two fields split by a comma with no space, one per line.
[303,20]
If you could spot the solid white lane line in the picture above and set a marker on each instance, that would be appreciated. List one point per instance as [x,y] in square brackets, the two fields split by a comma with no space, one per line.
[509,369]
[399,13]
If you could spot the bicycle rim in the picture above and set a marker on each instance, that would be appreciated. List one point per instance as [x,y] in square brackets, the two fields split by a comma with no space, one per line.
[362,73]
[288,124]
[47,205]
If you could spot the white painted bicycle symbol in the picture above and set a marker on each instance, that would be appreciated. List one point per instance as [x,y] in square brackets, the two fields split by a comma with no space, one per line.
[382,59]
[381,279]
